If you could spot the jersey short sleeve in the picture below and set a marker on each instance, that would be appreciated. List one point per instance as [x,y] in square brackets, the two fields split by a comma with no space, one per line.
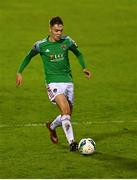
[36,48]
[72,43]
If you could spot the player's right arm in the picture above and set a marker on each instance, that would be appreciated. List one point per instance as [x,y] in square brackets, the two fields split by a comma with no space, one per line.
[33,52]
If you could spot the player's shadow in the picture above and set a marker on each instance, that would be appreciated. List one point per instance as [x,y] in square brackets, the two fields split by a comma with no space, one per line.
[118,162]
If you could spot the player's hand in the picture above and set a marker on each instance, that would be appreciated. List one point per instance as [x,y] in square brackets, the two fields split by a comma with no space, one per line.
[87,73]
[19,79]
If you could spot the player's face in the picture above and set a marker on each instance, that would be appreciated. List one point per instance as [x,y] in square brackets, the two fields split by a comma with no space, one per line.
[56,32]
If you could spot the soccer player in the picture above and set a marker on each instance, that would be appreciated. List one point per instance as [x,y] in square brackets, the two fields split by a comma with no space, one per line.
[54,53]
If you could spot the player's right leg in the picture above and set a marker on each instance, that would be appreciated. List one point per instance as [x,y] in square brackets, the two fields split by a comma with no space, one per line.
[53,90]
[53,135]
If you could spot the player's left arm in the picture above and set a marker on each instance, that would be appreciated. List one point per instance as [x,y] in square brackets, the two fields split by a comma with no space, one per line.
[79,55]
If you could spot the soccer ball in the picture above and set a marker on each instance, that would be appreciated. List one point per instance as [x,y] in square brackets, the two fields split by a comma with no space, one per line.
[87,146]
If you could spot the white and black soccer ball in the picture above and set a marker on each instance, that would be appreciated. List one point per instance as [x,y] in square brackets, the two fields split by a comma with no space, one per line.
[87,146]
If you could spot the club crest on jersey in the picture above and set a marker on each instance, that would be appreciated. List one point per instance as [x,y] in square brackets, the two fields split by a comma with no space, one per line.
[63,46]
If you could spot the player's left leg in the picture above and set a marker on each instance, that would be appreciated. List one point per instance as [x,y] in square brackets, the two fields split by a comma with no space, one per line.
[62,95]
[57,122]
[65,109]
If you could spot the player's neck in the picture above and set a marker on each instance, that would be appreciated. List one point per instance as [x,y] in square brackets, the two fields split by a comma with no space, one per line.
[51,39]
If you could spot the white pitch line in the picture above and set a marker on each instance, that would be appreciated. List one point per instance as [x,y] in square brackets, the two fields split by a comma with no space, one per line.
[74,123]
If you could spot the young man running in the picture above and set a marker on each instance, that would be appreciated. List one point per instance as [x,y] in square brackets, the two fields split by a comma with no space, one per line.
[54,53]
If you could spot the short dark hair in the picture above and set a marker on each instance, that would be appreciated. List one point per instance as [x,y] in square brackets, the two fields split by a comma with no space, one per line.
[55,20]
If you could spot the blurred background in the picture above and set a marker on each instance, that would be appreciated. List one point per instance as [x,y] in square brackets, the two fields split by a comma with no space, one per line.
[105,106]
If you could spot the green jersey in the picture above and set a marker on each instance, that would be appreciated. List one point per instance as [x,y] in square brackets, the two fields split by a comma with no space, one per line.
[55,58]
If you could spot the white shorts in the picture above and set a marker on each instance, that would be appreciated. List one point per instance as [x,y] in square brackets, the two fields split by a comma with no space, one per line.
[55,89]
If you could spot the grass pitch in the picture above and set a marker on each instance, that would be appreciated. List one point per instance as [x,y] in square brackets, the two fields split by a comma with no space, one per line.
[105,106]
